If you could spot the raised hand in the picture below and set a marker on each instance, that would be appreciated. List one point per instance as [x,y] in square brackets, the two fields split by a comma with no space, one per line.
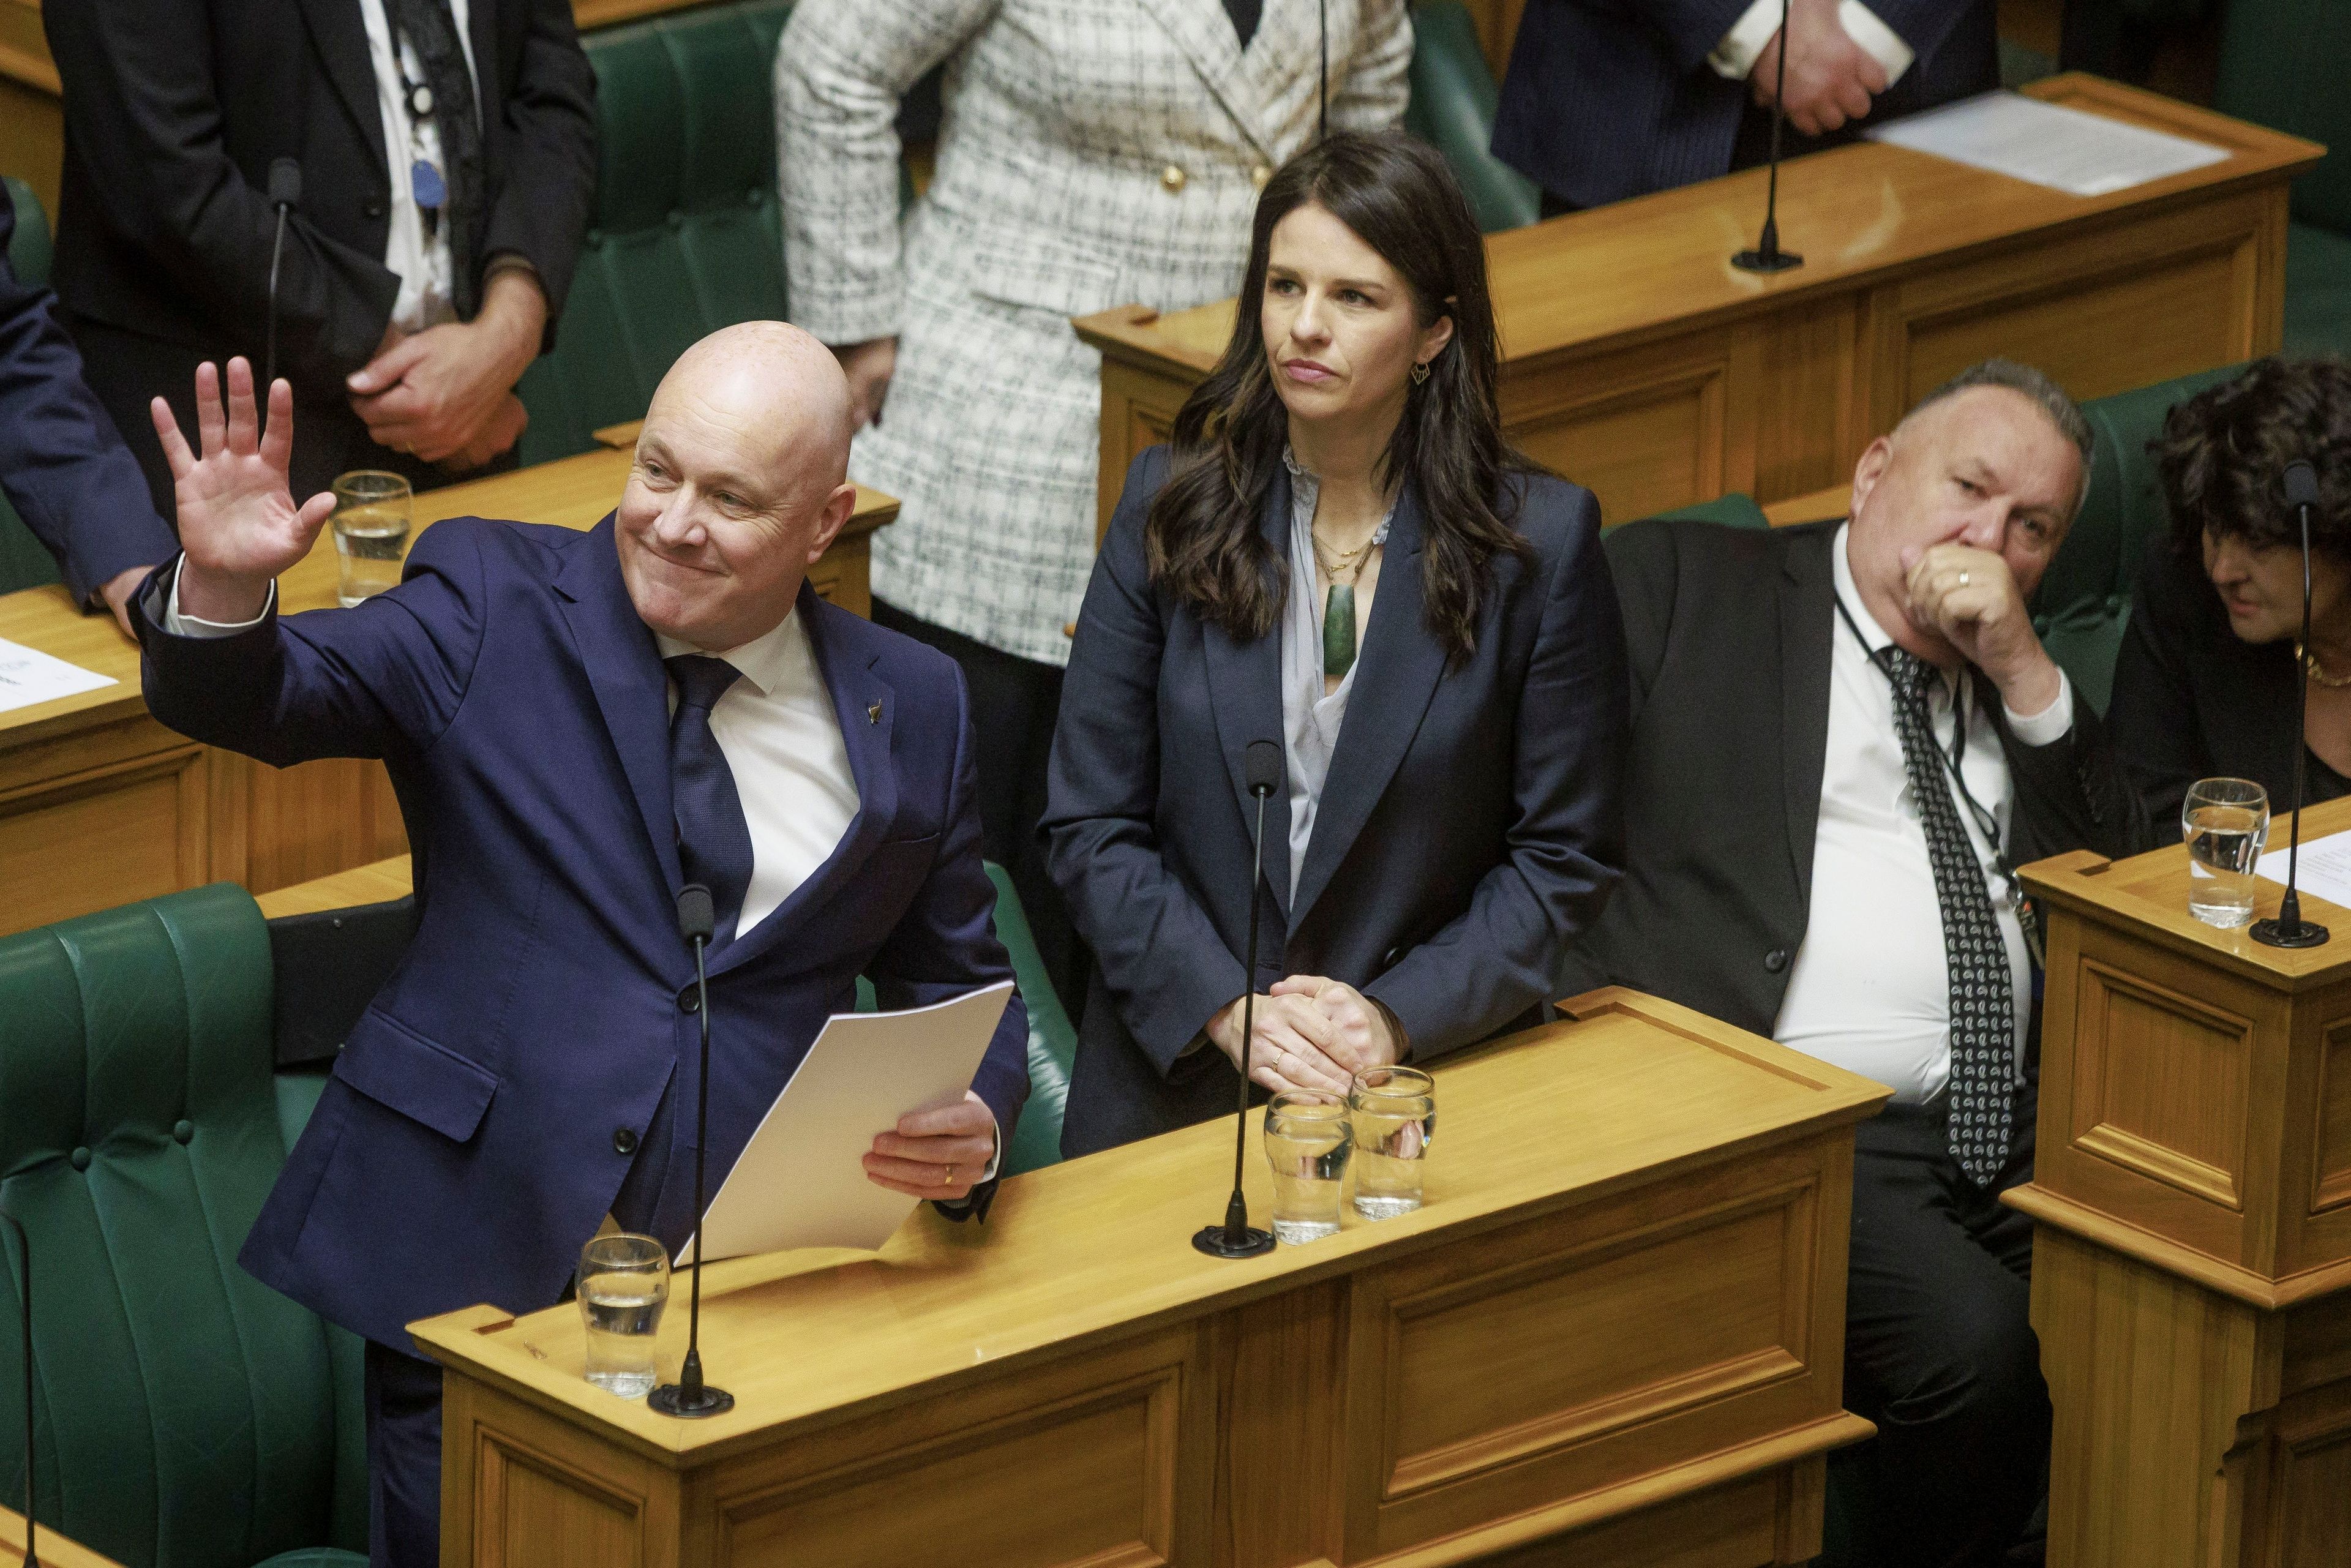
[239,527]
[1970,598]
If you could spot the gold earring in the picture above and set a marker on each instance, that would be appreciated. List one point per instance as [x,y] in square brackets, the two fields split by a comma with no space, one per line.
[1419,372]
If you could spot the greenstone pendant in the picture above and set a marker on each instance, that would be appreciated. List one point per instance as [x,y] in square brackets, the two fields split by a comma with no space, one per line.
[1339,630]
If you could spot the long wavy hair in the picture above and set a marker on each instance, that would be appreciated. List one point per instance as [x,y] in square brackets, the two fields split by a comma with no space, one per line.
[1202,542]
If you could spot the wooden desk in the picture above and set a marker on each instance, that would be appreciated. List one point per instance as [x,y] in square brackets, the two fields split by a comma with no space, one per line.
[1620,1316]
[1638,361]
[57,1551]
[2191,1272]
[101,805]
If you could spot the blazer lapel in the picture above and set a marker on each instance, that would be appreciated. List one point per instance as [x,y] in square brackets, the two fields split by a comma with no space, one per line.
[1205,33]
[1807,627]
[857,691]
[1244,693]
[341,40]
[1393,685]
[624,665]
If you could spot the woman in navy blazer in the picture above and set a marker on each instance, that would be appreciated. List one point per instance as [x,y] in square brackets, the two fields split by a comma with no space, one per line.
[1448,819]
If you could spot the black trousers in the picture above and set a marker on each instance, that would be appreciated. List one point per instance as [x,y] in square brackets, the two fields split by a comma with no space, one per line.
[1940,1353]
[1015,703]
[403,1443]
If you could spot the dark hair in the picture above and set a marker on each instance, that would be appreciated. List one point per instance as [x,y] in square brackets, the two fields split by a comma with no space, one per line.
[1202,542]
[2223,455]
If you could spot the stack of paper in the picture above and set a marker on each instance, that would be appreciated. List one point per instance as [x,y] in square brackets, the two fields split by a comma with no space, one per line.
[2047,143]
[28,676]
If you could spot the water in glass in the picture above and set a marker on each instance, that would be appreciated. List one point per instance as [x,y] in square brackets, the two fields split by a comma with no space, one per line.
[1395,1115]
[624,1285]
[2224,821]
[1307,1142]
[371,542]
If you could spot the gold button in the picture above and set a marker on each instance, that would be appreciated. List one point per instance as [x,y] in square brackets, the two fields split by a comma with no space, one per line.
[1172,177]
[1260,176]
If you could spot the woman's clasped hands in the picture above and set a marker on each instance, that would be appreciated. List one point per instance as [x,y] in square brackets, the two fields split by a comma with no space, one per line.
[1308,1033]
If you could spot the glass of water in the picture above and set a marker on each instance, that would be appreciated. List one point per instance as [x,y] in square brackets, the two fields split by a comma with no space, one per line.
[1393,1109]
[370,524]
[2225,821]
[623,1285]
[1307,1140]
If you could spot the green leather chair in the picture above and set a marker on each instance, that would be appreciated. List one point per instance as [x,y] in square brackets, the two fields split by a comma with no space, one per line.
[1452,109]
[2282,65]
[686,237]
[187,1416]
[23,562]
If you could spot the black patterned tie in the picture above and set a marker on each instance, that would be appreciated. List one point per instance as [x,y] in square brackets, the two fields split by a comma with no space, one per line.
[1983,992]
[714,841]
[432,32]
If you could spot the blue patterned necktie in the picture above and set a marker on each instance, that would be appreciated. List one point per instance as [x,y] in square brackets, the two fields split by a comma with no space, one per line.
[714,841]
[1983,993]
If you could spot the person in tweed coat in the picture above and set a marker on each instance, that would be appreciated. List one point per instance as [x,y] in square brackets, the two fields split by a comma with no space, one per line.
[1090,154]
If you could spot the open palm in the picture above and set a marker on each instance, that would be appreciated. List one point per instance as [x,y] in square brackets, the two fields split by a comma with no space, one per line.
[237,517]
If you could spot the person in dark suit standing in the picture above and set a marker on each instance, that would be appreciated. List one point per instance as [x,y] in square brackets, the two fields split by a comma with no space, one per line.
[447,150]
[2205,684]
[62,463]
[1339,555]
[578,724]
[1608,99]
[1844,735]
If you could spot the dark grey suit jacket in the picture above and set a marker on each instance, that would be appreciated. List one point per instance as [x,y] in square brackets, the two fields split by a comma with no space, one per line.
[1468,829]
[1728,633]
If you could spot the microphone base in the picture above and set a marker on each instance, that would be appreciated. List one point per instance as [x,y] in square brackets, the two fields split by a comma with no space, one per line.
[1766,261]
[1217,1241]
[672,1399]
[2278,934]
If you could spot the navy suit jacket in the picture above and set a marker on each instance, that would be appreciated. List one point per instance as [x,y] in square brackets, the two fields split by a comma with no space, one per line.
[481,1115]
[1469,828]
[61,461]
[1610,99]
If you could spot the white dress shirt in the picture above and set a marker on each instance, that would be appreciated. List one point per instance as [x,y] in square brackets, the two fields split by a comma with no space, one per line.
[1735,56]
[422,264]
[1870,989]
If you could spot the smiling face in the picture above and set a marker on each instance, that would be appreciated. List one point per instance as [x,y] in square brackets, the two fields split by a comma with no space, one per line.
[1984,467]
[2260,588]
[738,484]
[1341,329]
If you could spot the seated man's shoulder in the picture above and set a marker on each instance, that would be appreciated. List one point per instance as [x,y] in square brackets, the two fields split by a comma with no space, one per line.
[538,549]
[919,672]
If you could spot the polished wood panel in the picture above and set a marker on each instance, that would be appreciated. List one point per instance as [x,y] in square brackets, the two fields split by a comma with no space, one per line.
[54,1550]
[377,883]
[1640,362]
[2191,1282]
[101,805]
[1072,1384]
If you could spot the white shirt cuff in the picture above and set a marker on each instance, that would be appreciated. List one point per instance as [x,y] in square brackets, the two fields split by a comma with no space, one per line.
[179,625]
[2050,723]
[1735,56]
[997,1159]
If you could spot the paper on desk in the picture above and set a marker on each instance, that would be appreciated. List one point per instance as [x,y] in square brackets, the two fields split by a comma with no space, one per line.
[2047,143]
[801,1182]
[28,676]
[2325,865]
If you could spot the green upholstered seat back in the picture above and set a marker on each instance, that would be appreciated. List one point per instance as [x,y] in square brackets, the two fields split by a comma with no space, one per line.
[1052,1041]
[686,237]
[1452,109]
[2084,600]
[2282,64]
[186,1414]
[1735,510]
[23,562]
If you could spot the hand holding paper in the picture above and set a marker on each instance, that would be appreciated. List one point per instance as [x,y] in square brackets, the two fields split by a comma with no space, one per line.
[936,1154]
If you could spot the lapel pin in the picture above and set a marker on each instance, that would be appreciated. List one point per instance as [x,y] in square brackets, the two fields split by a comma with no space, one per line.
[873,713]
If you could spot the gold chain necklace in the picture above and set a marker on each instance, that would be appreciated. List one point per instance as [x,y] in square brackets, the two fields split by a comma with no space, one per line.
[2318,672]
[1352,562]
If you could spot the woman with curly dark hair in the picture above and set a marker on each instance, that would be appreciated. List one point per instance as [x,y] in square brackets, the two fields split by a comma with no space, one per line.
[2205,684]
[1338,554]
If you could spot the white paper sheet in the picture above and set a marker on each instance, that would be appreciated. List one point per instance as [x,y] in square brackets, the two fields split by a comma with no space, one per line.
[2047,143]
[2325,864]
[28,676]
[801,1182]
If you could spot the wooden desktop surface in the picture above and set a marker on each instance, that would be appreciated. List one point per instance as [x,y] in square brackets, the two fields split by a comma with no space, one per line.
[55,1549]
[101,805]
[1639,361]
[1590,1184]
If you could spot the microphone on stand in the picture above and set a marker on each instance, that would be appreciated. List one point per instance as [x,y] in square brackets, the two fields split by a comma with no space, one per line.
[689,1396]
[1236,1237]
[1767,256]
[2289,929]
[25,1250]
[284,195]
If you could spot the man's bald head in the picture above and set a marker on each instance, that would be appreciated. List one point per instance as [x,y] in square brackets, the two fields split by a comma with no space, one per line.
[740,482]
